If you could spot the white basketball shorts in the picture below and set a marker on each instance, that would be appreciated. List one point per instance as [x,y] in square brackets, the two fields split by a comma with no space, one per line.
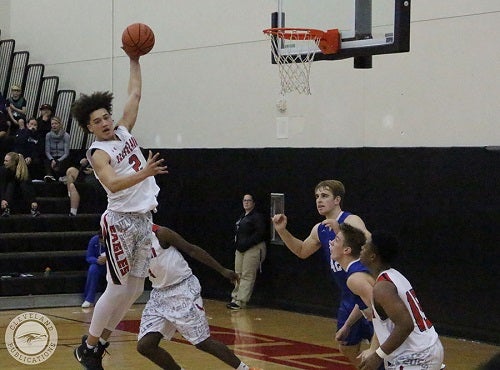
[178,307]
[128,238]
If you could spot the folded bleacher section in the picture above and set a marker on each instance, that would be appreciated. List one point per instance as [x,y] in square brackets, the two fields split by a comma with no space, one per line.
[55,240]
[38,89]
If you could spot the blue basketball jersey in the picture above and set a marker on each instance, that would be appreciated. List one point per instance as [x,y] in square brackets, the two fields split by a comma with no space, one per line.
[362,329]
[325,235]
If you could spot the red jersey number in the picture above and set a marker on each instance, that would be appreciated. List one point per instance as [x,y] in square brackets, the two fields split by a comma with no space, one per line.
[418,314]
[135,162]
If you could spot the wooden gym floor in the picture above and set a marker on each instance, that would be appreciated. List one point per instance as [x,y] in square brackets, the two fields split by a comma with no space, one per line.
[270,339]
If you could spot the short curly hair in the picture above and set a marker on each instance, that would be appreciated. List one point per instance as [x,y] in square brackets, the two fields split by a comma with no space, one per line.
[82,108]
[386,245]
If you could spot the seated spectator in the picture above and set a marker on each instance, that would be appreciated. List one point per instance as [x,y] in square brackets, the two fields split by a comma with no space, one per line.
[96,258]
[16,108]
[4,117]
[83,180]
[56,151]
[5,142]
[30,144]
[16,189]
[44,119]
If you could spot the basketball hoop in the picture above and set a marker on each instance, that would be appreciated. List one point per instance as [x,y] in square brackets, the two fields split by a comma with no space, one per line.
[294,68]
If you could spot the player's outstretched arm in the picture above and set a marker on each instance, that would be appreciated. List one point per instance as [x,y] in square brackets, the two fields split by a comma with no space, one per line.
[169,237]
[131,108]
[301,249]
[107,175]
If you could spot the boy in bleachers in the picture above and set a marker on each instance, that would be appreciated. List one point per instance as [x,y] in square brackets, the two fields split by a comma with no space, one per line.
[16,108]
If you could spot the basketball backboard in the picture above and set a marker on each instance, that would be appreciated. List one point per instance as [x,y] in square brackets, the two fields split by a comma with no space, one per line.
[367,27]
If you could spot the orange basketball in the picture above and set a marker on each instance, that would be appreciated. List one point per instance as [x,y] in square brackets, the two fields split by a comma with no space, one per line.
[138,39]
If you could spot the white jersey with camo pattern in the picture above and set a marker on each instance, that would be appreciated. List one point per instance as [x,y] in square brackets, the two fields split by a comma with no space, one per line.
[422,349]
[175,303]
[126,159]
[167,267]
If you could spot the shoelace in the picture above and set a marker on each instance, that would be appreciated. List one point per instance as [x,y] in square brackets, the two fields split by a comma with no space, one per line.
[104,350]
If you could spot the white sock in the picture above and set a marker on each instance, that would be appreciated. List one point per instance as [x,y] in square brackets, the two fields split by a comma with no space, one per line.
[242,366]
[103,341]
[73,210]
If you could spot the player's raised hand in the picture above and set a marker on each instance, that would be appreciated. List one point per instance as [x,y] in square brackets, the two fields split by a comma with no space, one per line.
[155,165]
[279,221]
[332,224]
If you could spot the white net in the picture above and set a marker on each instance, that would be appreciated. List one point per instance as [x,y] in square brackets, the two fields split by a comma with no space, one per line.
[294,69]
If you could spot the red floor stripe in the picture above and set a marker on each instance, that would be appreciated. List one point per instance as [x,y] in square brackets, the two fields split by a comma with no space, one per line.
[270,349]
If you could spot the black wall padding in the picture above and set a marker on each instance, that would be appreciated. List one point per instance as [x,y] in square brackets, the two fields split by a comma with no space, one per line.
[444,203]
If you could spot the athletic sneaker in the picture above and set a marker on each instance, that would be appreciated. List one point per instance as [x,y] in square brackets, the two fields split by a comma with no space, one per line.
[101,349]
[90,358]
[48,178]
[87,304]
[233,306]
[35,212]
[6,212]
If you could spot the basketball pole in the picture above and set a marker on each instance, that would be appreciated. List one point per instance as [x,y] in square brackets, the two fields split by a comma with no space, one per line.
[279,21]
[280,14]
[363,30]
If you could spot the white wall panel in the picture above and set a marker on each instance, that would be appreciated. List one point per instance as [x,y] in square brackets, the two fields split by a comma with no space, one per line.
[209,82]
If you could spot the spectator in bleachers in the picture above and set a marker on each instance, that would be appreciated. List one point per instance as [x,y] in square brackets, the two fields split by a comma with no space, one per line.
[83,179]
[16,108]
[5,143]
[4,117]
[44,119]
[96,258]
[16,189]
[56,151]
[30,144]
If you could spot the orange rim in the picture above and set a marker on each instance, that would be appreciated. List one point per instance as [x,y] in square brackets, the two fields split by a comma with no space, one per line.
[295,33]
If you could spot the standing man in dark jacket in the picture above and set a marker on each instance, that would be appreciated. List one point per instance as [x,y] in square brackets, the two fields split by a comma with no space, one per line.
[250,252]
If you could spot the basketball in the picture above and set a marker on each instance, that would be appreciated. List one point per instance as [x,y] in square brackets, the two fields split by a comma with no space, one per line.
[138,39]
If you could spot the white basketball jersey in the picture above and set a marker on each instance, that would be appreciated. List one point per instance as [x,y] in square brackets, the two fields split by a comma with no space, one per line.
[423,335]
[167,267]
[126,159]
